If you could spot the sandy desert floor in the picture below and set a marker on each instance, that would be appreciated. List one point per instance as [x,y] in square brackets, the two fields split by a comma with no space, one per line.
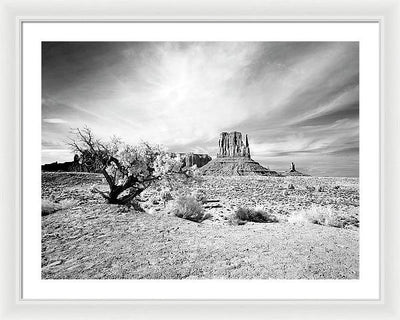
[89,239]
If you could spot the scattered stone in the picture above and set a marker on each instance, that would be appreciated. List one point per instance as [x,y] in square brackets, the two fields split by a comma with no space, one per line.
[290,186]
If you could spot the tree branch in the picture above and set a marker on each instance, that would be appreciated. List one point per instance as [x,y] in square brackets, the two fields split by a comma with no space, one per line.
[108,178]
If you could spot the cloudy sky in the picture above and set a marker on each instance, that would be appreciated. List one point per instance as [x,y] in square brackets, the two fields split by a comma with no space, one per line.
[297,101]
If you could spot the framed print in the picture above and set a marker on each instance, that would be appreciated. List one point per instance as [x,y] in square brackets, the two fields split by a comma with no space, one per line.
[163,214]
[192,192]
[221,162]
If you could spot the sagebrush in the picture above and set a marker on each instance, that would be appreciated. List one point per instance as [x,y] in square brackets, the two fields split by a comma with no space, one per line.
[254,215]
[187,207]
[326,216]
[199,195]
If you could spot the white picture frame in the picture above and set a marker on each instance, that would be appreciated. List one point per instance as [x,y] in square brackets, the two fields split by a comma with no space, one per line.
[386,12]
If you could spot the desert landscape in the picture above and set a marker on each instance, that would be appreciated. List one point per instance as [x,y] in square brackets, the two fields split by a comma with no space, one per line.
[200,160]
[312,232]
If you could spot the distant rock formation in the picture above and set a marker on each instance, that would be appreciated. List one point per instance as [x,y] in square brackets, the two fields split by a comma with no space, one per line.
[233,158]
[231,145]
[84,164]
[199,160]
[77,165]
[55,166]
[293,171]
[190,159]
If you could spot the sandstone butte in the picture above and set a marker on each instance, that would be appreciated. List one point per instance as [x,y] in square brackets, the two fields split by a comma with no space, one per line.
[233,158]
[293,171]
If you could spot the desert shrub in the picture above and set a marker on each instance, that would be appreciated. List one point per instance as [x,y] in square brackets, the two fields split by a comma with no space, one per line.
[187,208]
[49,207]
[254,215]
[233,221]
[199,195]
[326,216]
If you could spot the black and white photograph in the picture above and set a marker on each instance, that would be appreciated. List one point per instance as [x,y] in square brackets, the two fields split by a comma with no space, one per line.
[200,160]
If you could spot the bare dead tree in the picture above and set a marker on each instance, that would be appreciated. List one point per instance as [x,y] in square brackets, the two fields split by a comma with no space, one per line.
[128,170]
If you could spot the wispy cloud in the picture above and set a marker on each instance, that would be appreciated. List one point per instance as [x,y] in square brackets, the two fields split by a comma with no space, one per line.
[297,101]
[54,121]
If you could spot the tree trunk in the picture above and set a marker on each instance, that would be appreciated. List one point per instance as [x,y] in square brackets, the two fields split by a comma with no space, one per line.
[113,197]
[115,191]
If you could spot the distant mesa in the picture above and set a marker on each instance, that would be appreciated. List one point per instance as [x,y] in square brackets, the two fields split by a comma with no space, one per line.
[59,166]
[197,159]
[79,164]
[233,158]
[293,171]
[83,164]
[190,159]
